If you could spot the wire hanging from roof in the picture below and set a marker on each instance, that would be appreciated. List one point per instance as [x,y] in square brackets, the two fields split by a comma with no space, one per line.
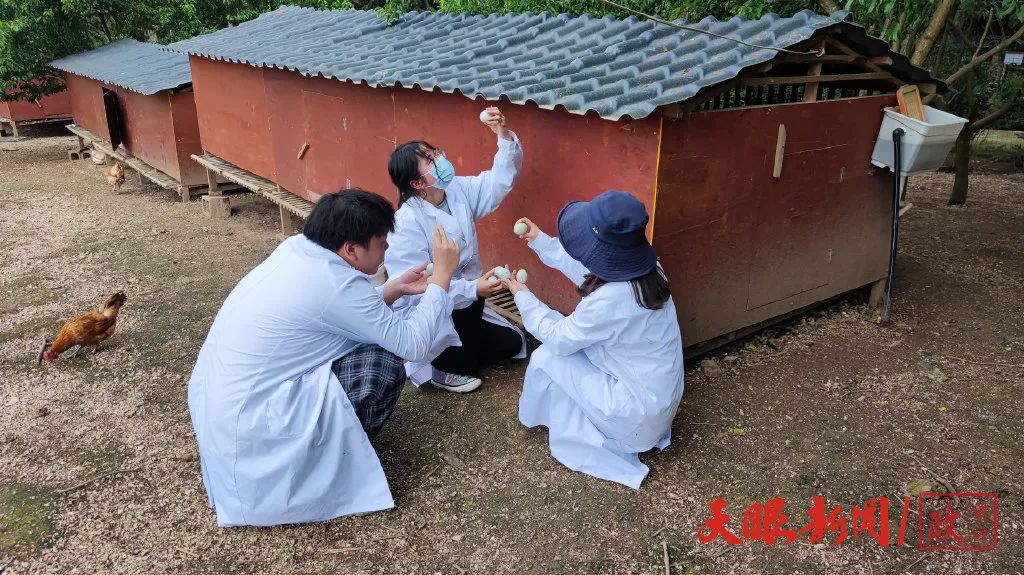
[817,53]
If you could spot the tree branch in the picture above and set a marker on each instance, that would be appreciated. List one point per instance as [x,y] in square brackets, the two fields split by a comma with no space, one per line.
[995,115]
[974,63]
[931,32]
[981,43]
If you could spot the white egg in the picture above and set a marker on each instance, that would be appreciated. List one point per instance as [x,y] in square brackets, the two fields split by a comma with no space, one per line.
[492,279]
[485,117]
[502,272]
[521,228]
[430,269]
[522,276]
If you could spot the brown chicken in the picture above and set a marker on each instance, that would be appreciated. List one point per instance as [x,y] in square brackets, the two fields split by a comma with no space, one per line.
[115,176]
[88,329]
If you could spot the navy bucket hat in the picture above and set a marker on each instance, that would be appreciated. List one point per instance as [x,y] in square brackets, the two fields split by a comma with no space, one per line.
[607,236]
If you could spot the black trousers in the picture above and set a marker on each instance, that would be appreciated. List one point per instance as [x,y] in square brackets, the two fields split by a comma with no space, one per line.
[482,342]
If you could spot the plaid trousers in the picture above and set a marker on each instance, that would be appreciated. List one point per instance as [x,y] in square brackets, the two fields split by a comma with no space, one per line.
[373,378]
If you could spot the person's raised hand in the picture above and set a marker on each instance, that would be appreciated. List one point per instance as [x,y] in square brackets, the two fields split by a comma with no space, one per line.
[531,231]
[413,281]
[497,122]
[513,285]
[485,286]
[446,258]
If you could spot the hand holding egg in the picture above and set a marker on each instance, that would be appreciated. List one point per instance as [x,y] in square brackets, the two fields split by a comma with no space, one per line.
[517,283]
[495,120]
[489,283]
[526,229]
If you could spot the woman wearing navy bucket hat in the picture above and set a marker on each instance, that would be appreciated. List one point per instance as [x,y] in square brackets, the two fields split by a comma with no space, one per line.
[607,379]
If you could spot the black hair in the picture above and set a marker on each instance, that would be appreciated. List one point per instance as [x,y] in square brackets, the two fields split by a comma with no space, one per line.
[351,215]
[651,291]
[404,167]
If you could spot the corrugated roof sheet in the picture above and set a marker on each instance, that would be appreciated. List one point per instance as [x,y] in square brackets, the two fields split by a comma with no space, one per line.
[133,65]
[614,67]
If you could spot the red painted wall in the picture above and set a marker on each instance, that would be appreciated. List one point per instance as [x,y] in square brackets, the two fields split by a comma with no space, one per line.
[259,119]
[86,96]
[234,122]
[741,247]
[149,129]
[53,106]
[186,138]
[160,129]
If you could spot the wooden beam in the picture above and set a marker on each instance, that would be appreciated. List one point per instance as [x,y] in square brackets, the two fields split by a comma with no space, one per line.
[851,52]
[841,58]
[811,88]
[779,80]
[673,111]
[780,152]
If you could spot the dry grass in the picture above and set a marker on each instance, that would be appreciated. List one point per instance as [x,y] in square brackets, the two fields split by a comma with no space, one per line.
[829,404]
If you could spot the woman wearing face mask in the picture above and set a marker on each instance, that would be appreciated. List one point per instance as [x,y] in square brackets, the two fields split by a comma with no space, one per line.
[431,195]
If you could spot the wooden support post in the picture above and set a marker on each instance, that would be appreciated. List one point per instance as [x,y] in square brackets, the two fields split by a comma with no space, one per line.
[215,203]
[290,223]
[184,194]
[877,293]
[14,128]
[211,182]
[811,88]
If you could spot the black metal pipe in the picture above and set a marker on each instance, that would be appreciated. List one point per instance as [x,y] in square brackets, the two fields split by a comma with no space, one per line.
[897,135]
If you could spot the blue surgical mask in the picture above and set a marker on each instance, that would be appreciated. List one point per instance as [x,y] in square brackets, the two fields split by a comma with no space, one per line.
[443,172]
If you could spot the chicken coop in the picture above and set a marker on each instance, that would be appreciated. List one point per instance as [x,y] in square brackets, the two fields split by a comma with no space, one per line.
[51,108]
[754,162]
[134,102]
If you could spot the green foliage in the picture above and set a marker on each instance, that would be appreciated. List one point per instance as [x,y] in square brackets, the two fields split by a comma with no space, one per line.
[667,9]
[30,33]
[34,32]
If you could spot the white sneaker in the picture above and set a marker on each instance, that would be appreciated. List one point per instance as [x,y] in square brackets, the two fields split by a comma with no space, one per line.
[453,382]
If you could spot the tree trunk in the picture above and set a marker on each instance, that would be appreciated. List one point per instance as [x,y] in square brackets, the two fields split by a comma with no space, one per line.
[829,6]
[961,166]
[900,33]
[935,26]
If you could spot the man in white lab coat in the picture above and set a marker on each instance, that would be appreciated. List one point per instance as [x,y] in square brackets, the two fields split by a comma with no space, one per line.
[303,365]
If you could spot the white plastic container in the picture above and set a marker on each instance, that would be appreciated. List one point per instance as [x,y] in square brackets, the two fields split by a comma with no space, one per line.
[924,145]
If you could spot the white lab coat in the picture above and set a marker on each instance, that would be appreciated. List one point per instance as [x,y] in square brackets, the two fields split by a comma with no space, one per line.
[469,199]
[279,441]
[607,380]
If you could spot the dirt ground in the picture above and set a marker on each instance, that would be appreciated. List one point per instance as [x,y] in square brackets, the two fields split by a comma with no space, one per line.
[828,404]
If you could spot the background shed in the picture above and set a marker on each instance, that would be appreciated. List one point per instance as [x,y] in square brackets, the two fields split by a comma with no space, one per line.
[135,95]
[52,108]
[315,101]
